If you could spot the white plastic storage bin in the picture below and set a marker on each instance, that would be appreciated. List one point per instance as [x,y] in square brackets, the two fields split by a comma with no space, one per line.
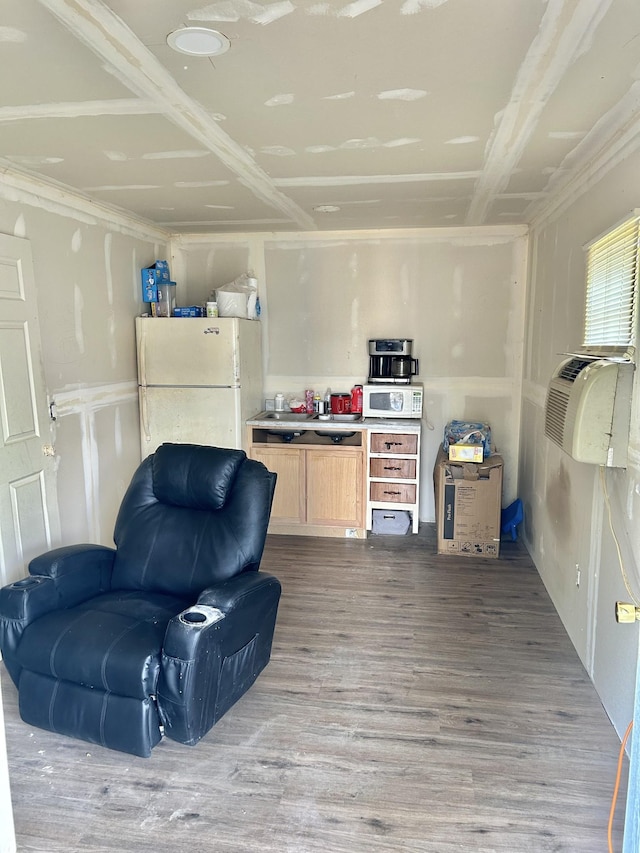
[396,522]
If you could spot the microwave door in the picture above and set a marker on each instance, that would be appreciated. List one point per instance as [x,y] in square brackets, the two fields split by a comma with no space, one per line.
[386,401]
[396,400]
[379,401]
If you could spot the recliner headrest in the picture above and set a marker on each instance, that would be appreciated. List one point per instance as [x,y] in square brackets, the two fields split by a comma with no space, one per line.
[194,476]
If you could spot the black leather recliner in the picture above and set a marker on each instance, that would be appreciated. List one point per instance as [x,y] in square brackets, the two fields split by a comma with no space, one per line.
[166,631]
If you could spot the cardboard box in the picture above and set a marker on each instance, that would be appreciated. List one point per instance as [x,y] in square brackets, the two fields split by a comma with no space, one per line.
[152,277]
[189,311]
[468,506]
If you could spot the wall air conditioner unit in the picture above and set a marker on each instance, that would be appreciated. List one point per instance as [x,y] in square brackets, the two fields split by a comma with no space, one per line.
[588,409]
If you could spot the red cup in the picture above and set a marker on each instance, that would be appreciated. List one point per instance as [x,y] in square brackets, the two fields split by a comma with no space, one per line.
[340,404]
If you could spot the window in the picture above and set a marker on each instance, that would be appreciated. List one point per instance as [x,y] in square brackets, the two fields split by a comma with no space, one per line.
[612,291]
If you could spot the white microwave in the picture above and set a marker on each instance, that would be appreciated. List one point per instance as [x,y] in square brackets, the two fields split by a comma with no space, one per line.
[392,401]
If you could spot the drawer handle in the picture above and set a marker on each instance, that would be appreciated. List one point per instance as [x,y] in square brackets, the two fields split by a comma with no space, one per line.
[392,493]
[390,444]
[392,468]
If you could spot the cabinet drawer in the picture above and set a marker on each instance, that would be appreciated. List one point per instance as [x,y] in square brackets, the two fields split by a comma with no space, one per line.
[393,492]
[382,442]
[394,469]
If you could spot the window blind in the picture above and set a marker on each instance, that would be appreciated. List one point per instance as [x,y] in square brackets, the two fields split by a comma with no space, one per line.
[612,286]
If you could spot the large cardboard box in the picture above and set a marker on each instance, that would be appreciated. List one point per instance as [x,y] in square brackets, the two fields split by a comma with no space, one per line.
[468,506]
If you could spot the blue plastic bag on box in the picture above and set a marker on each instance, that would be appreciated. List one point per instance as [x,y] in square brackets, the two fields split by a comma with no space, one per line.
[468,432]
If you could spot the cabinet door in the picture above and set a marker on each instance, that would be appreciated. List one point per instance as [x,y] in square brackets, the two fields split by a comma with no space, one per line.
[335,488]
[288,464]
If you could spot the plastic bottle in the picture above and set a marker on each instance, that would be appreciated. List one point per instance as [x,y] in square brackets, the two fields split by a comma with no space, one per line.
[356,399]
[327,401]
[308,398]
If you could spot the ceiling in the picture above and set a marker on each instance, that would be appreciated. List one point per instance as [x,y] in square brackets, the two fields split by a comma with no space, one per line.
[321,115]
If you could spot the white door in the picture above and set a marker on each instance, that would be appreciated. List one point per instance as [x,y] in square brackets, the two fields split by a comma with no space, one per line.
[28,509]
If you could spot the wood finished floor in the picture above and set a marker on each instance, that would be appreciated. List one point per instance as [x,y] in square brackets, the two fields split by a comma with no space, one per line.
[413,703]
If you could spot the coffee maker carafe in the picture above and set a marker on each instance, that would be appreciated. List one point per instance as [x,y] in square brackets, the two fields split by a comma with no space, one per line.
[390,361]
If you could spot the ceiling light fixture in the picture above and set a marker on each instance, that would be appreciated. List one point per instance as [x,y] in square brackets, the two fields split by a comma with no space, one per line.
[326,208]
[198,41]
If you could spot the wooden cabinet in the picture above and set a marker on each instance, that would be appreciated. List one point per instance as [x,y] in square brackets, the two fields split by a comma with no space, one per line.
[393,477]
[327,489]
[320,489]
[289,498]
[335,487]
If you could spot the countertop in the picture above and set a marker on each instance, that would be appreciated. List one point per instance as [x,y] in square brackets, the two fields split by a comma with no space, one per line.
[401,425]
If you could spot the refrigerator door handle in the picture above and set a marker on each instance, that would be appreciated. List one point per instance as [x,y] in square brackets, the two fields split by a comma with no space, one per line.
[142,357]
[143,413]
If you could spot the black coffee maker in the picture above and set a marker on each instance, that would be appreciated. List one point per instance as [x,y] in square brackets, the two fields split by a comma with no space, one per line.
[390,361]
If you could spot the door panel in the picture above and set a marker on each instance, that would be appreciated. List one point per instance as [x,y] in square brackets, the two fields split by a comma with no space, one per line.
[195,351]
[189,415]
[17,405]
[334,488]
[28,511]
[289,497]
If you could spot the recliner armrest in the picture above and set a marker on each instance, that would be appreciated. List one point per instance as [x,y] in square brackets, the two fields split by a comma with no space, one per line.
[214,651]
[59,579]
[235,592]
[66,564]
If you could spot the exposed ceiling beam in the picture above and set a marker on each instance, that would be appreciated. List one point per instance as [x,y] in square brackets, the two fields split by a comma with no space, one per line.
[565,31]
[47,194]
[107,35]
[75,109]
[615,136]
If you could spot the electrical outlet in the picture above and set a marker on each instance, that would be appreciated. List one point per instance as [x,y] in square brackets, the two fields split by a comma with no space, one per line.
[627,612]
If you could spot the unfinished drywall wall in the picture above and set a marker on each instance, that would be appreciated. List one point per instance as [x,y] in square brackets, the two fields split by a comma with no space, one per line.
[459,293]
[87,272]
[567,503]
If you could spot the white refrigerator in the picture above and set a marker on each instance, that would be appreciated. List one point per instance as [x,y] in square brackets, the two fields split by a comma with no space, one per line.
[199,379]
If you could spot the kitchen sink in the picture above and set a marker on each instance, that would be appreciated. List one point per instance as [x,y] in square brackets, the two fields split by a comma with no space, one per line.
[346,417]
[335,435]
[286,435]
[286,416]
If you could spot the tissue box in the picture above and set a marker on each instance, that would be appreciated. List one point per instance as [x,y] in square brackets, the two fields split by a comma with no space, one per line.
[467,433]
[466,452]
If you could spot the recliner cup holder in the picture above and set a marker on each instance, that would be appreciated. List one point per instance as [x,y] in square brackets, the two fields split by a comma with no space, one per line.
[194,617]
[26,583]
[200,615]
